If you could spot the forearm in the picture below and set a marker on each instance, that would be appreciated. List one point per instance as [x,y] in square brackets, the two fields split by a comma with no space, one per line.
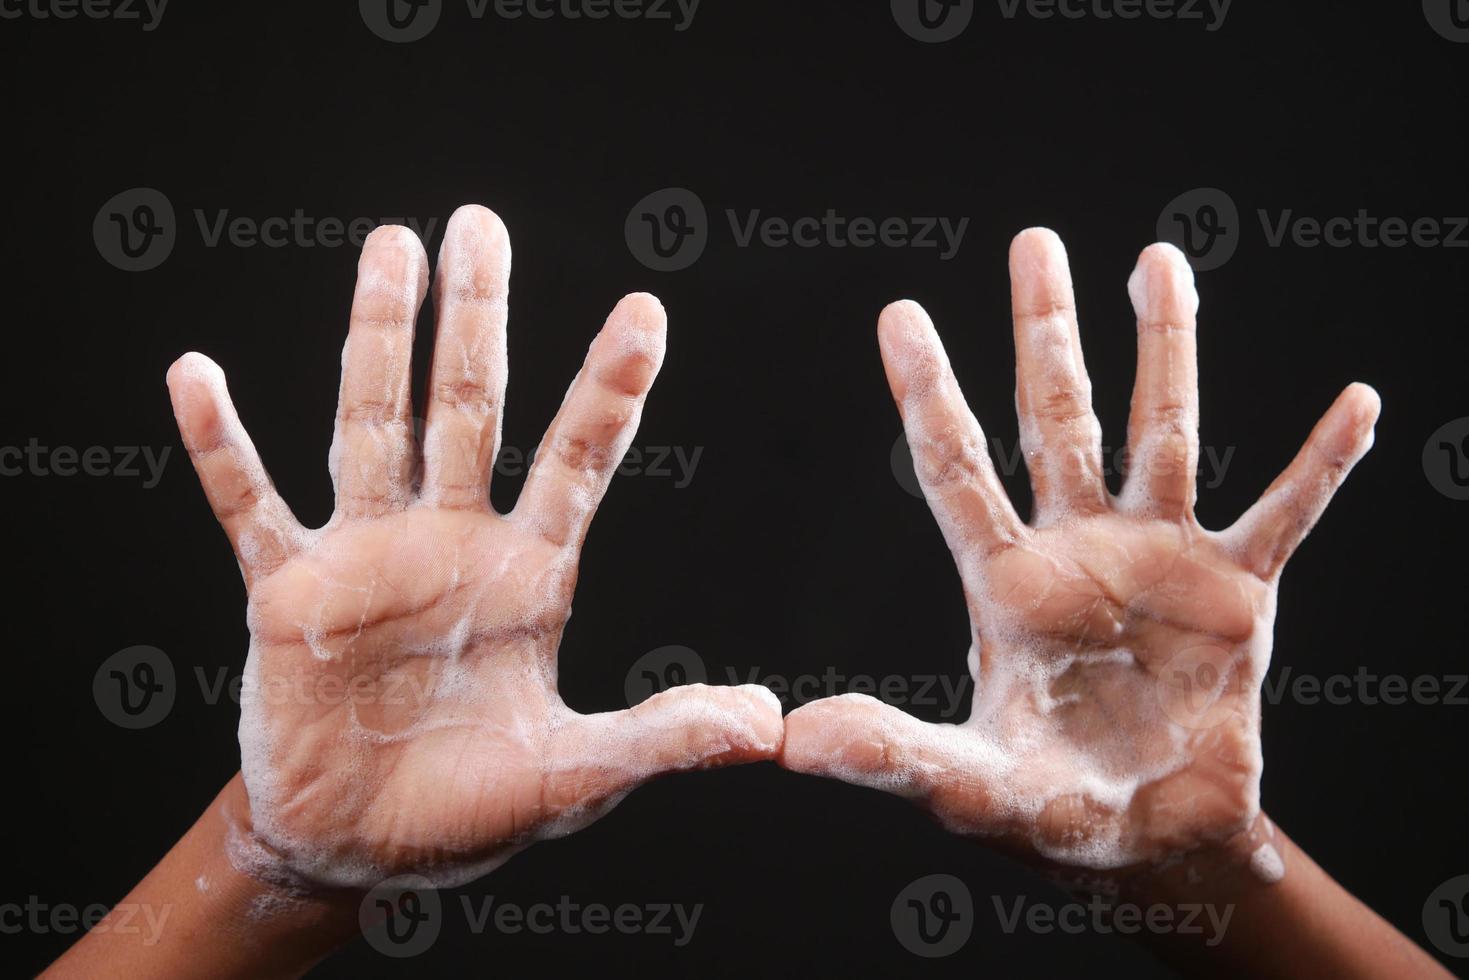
[212,919]
[1304,924]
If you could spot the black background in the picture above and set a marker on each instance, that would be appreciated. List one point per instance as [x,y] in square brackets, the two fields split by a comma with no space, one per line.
[794,549]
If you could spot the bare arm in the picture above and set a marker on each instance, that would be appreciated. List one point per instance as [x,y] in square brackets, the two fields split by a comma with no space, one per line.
[196,915]
[1118,646]
[399,712]
[1305,924]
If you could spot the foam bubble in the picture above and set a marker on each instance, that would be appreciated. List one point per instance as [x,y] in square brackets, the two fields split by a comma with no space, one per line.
[1267,864]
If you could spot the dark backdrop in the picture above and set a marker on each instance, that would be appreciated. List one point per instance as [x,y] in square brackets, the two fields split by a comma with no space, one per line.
[794,549]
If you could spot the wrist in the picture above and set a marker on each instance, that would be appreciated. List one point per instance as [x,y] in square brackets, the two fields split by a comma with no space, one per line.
[1249,859]
[252,922]
[278,922]
[262,873]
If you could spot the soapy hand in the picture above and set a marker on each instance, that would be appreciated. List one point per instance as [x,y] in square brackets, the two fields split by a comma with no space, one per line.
[1118,647]
[399,711]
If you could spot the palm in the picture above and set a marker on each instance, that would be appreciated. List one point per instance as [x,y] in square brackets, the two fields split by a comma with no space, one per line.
[400,711]
[1128,619]
[1119,646]
[379,638]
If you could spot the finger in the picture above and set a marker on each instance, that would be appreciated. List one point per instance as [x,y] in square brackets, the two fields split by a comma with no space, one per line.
[467,384]
[861,740]
[690,727]
[1059,433]
[1163,429]
[261,528]
[950,454]
[1274,527]
[371,458]
[590,434]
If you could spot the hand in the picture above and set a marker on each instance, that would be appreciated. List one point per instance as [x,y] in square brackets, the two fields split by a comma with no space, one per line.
[1119,647]
[400,712]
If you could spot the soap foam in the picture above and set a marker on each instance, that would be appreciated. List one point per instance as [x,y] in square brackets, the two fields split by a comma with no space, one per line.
[1267,865]
[1001,750]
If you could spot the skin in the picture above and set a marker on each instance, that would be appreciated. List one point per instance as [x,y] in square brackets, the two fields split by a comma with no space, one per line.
[1118,646]
[400,713]
[1120,637]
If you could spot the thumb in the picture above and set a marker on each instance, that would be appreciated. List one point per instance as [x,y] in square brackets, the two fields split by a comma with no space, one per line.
[861,740]
[690,727]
